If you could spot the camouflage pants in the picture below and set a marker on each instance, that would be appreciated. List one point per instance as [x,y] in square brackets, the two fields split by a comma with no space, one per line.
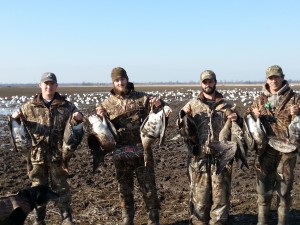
[275,172]
[125,170]
[54,176]
[209,194]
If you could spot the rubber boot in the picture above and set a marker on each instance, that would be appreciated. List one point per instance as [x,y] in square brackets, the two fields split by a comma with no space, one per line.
[263,215]
[66,217]
[153,217]
[127,216]
[40,215]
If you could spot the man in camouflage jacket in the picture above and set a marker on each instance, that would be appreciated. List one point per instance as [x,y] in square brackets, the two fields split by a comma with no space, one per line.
[276,107]
[127,108]
[209,191]
[46,116]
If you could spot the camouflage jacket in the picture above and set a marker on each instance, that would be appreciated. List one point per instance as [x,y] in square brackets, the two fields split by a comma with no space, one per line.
[127,114]
[275,109]
[204,115]
[46,126]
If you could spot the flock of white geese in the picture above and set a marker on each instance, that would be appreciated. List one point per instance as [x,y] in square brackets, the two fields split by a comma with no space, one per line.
[236,95]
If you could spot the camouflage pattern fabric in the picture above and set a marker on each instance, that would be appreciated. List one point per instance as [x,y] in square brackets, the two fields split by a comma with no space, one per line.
[209,192]
[127,114]
[274,169]
[54,175]
[125,170]
[276,117]
[46,126]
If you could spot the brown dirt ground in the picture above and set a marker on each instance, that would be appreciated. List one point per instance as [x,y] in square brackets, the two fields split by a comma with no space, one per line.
[95,196]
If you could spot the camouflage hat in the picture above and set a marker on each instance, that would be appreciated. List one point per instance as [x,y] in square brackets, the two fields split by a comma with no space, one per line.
[207,74]
[118,72]
[48,76]
[274,71]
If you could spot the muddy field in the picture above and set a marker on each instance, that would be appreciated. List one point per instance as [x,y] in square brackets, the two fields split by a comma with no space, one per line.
[95,196]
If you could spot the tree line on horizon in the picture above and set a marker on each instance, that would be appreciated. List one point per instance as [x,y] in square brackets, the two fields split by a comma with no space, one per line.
[145,83]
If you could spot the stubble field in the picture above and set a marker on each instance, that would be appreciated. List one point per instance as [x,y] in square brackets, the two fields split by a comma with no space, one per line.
[95,196]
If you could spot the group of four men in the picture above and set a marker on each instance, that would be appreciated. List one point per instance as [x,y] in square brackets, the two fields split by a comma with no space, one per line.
[48,112]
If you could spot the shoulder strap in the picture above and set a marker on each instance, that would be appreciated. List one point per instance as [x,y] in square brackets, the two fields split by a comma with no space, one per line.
[285,100]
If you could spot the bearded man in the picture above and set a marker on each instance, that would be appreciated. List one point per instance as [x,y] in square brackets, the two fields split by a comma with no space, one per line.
[127,109]
[209,189]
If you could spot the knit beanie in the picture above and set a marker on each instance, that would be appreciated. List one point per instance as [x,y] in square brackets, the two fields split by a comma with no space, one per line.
[118,72]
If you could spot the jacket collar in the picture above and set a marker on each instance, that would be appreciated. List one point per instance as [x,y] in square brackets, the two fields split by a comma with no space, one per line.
[219,97]
[283,89]
[57,99]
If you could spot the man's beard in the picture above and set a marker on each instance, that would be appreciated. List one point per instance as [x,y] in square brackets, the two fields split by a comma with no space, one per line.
[122,92]
[209,90]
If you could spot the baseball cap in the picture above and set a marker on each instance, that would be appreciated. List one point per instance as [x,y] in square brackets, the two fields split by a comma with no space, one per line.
[207,74]
[48,76]
[274,70]
[118,72]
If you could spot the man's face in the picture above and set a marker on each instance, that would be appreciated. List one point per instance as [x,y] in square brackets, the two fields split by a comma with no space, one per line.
[208,86]
[275,83]
[48,88]
[120,85]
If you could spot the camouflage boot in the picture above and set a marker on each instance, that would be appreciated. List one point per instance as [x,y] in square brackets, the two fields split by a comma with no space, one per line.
[263,215]
[66,216]
[127,216]
[153,217]
[40,214]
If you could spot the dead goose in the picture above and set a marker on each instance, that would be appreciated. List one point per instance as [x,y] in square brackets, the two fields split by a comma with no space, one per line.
[257,132]
[102,139]
[189,132]
[294,130]
[73,135]
[289,144]
[153,127]
[19,137]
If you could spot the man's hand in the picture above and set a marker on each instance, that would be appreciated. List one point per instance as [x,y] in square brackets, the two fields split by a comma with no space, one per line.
[101,112]
[77,116]
[233,116]
[18,115]
[154,101]
[294,110]
[256,112]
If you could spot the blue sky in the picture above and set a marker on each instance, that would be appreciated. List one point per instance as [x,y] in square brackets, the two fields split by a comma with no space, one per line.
[155,41]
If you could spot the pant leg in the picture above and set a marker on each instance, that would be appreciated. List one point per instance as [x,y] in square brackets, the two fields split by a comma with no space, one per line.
[38,175]
[221,189]
[125,179]
[59,184]
[284,185]
[265,183]
[146,179]
[200,194]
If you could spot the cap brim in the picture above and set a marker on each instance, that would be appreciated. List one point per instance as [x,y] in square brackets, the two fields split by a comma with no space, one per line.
[46,80]
[275,74]
[207,79]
